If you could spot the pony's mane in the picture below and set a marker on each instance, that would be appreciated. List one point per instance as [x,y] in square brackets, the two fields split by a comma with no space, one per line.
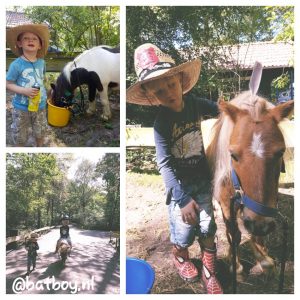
[218,154]
[67,71]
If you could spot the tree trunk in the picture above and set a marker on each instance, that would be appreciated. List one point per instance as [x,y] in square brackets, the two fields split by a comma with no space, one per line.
[39,218]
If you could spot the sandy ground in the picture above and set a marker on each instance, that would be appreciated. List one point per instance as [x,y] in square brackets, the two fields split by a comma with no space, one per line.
[82,130]
[148,238]
[93,261]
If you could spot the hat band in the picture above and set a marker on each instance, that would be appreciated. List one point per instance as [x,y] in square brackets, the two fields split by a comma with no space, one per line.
[159,66]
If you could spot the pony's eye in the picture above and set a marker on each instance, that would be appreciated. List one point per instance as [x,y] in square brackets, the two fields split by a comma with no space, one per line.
[234,156]
[279,153]
[234,152]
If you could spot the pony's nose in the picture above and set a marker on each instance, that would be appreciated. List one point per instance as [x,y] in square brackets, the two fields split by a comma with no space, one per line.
[261,227]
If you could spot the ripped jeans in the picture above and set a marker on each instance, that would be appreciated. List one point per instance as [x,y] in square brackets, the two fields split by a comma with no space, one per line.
[183,234]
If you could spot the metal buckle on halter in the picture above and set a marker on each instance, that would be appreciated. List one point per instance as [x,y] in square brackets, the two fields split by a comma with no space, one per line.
[238,196]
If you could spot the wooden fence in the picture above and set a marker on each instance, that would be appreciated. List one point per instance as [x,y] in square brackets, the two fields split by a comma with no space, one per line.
[54,61]
[21,238]
[144,137]
[114,238]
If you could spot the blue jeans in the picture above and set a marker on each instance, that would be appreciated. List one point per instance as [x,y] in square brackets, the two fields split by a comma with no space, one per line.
[183,234]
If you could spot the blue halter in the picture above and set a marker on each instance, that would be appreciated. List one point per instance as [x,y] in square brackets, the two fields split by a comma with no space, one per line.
[242,199]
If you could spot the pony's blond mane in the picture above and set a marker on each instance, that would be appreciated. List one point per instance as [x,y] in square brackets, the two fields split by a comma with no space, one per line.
[218,153]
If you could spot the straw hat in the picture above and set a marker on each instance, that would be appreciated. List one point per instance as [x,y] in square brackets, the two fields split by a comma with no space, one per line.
[150,64]
[34,236]
[40,30]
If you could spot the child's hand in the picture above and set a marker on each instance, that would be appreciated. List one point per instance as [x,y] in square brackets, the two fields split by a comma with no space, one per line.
[189,213]
[30,92]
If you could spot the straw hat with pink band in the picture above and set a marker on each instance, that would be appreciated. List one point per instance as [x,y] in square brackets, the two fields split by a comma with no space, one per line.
[151,64]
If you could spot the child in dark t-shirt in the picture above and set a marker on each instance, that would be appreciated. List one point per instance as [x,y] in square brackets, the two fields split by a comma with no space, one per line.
[31,246]
[64,231]
[180,156]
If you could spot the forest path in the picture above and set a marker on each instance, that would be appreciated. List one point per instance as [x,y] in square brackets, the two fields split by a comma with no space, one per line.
[93,262]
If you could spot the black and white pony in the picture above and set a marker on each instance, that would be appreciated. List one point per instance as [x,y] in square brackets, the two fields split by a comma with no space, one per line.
[99,68]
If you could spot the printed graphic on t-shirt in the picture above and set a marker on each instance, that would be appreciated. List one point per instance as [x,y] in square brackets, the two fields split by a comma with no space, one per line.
[29,78]
[187,144]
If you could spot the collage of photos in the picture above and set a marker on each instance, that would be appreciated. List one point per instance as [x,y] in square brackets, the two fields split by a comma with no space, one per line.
[171,172]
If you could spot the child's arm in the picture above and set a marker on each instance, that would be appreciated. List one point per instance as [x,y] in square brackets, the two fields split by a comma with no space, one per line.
[27,245]
[165,164]
[29,92]
[207,108]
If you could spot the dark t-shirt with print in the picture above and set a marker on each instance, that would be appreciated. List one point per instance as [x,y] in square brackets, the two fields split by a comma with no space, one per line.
[64,232]
[179,145]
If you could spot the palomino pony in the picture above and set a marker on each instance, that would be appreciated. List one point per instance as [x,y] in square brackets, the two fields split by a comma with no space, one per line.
[246,155]
[99,68]
[63,250]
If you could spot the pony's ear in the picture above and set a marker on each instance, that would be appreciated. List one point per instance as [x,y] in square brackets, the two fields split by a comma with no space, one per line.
[52,86]
[230,110]
[255,78]
[282,110]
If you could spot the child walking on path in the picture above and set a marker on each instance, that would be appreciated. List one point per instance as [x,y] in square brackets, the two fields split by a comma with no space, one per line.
[180,156]
[31,246]
[25,77]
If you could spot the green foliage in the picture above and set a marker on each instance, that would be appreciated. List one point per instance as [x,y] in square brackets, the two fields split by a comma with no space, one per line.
[282,22]
[142,160]
[38,191]
[186,29]
[29,179]
[138,114]
[77,28]
[109,170]
[280,84]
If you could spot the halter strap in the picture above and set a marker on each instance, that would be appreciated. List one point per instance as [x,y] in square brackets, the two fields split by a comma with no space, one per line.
[243,199]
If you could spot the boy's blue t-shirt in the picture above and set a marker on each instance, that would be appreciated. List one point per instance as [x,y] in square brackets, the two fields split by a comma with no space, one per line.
[25,74]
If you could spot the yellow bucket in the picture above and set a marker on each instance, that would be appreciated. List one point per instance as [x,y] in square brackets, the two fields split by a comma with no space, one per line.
[58,116]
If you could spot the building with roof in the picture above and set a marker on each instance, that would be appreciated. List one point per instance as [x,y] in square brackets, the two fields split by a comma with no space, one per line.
[237,61]
[14,18]
[272,55]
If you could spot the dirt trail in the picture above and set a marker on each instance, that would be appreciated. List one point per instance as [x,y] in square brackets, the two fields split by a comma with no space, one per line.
[148,238]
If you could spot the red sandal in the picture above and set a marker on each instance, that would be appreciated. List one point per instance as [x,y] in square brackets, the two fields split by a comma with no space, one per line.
[186,269]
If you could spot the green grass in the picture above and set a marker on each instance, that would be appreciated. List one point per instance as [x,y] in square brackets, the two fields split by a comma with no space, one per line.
[155,180]
[146,180]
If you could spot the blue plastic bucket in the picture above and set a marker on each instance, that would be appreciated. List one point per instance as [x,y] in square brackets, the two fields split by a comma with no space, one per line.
[139,276]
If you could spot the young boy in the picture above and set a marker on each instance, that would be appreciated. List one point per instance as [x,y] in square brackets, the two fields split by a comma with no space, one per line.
[31,246]
[64,232]
[25,78]
[180,156]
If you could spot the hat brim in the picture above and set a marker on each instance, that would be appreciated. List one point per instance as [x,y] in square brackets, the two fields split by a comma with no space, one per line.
[190,74]
[39,29]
